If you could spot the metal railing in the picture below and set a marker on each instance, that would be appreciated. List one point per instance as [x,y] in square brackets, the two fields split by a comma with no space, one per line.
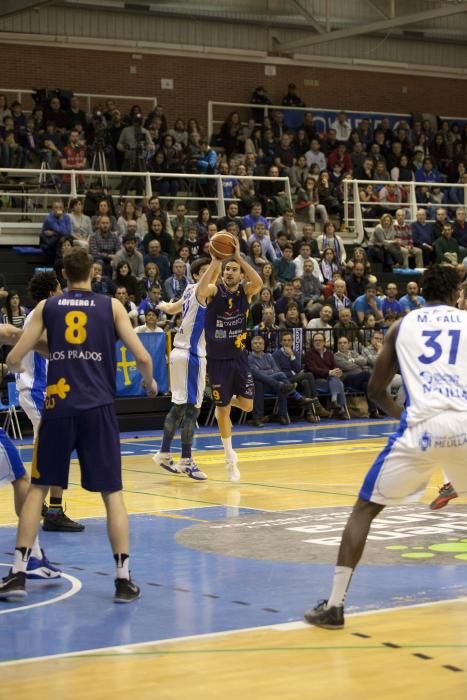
[357,218]
[35,188]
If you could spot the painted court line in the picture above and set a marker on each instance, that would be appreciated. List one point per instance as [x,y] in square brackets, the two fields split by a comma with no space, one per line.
[286,626]
[76,586]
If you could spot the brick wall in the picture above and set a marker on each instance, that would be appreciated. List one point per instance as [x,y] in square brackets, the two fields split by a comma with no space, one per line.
[196,80]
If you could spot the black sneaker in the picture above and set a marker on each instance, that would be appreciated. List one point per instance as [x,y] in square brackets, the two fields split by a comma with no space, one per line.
[329,618]
[13,586]
[57,521]
[126,591]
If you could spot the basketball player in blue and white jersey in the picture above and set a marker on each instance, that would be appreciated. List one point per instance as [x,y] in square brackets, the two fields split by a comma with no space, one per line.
[229,374]
[31,385]
[188,368]
[430,346]
[79,413]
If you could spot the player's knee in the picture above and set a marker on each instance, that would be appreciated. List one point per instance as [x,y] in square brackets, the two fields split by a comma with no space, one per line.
[245,404]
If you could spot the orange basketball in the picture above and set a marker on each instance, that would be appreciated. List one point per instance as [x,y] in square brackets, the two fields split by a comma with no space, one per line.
[222,245]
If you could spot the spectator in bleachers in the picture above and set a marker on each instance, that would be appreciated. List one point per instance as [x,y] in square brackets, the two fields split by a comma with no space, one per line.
[327,195]
[428,173]
[384,247]
[459,230]
[330,239]
[447,248]
[73,158]
[391,307]
[307,236]
[5,111]
[323,324]
[341,156]
[151,303]
[54,113]
[56,225]
[288,296]
[312,290]
[358,255]
[130,307]
[80,223]
[104,243]
[251,219]
[405,241]
[321,363]
[338,299]
[100,283]
[74,115]
[346,327]
[150,325]
[308,201]
[440,220]
[129,254]
[160,259]
[402,170]
[305,254]
[104,209]
[298,174]
[309,127]
[315,155]
[259,234]
[284,267]
[264,300]
[355,376]
[157,233]
[268,277]
[285,222]
[128,212]
[422,236]
[272,193]
[356,282]
[412,300]
[175,285]
[368,304]
[255,255]
[268,329]
[293,317]
[291,99]
[284,155]
[267,377]
[13,312]
[328,265]
[123,277]
[366,171]
[365,132]
[342,127]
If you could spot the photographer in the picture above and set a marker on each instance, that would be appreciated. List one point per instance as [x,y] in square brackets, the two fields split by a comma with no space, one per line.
[137,146]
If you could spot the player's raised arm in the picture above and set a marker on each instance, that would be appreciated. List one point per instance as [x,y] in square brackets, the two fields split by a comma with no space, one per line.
[253,282]
[127,335]
[206,286]
[383,371]
[171,307]
[29,339]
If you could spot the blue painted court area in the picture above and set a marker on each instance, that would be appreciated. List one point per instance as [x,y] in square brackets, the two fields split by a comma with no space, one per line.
[185,591]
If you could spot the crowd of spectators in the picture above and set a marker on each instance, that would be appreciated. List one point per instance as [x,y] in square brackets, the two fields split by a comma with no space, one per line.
[314,289]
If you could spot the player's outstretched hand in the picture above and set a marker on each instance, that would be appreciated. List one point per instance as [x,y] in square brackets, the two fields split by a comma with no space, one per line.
[151,391]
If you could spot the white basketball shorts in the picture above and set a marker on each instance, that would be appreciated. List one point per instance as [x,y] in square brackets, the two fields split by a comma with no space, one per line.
[402,470]
[187,377]
[32,405]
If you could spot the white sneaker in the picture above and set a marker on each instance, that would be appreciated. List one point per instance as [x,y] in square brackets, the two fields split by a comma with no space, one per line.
[231,466]
[189,468]
[166,462]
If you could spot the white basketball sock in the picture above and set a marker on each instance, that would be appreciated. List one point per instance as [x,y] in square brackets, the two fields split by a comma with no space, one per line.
[228,449]
[340,584]
[36,549]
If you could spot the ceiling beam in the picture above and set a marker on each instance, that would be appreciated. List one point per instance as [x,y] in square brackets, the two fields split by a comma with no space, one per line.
[376,7]
[382,25]
[308,16]
[11,7]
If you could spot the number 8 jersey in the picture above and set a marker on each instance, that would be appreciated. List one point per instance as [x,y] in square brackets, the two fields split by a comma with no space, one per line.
[81,338]
[431,347]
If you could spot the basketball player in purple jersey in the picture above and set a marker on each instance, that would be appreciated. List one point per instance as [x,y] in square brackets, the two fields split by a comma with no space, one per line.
[227,358]
[79,412]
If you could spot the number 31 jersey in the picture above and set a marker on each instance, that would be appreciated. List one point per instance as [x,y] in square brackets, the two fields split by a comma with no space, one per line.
[81,338]
[431,348]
